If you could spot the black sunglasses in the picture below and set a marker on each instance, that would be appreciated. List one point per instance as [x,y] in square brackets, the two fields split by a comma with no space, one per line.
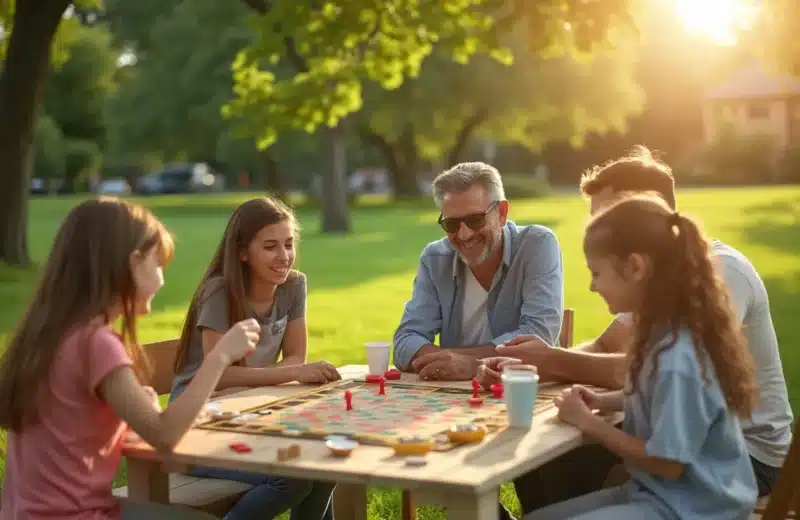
[475,221]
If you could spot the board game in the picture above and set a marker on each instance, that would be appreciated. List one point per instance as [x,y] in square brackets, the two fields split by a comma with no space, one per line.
[375,419]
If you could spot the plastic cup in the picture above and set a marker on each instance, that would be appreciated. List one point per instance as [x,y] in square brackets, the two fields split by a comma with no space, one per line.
[377,357]
[520,386]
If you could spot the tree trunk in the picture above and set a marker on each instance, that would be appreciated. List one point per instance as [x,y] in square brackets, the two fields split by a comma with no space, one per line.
[335,211]
[400,162]
[273,177]
[465,135]
[21,94]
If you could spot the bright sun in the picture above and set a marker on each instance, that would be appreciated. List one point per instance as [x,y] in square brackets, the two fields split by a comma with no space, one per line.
[718,20]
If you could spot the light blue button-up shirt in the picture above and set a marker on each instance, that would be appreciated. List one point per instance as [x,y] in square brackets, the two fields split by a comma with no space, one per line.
[526,296]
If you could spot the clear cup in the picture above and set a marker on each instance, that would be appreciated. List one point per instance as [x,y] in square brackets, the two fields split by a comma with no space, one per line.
[377,357]
[520,386]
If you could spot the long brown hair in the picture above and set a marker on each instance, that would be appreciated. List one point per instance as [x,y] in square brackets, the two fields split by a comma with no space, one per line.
[247,220]
[86,275]
[682,290]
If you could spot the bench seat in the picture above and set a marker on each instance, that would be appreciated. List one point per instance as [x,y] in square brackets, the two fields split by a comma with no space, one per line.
[214,496]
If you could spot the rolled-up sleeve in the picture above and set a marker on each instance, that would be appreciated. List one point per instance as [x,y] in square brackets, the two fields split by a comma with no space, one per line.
[422,318]
[542,290]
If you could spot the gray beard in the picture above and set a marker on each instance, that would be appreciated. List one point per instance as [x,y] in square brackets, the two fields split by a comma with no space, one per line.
[479,260]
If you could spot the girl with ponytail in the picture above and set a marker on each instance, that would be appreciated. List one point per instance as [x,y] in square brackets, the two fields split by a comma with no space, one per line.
[690,375]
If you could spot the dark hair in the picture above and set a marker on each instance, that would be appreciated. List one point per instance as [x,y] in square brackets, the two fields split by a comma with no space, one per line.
[87,274]
[639,171]
[247,220]
[682,290]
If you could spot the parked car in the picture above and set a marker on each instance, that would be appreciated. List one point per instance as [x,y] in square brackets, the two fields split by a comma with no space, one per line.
[114,187]
[181,178]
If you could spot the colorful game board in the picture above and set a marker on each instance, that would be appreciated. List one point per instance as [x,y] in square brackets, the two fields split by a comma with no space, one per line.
[404,410]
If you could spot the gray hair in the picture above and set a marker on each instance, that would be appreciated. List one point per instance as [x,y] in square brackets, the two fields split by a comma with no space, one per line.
[463,176]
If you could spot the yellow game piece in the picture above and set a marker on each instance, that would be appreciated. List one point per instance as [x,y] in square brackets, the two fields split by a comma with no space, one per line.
[466,433]
[412,445]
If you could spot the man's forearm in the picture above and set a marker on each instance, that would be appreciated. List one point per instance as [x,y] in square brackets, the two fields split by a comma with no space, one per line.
[582,367]
[478,351]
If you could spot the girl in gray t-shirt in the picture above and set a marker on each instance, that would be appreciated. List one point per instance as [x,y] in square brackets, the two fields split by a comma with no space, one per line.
[690,375]
[251,275]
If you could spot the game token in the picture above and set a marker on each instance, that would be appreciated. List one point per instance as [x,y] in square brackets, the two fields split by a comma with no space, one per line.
[497,390]
[240,447]
[392,374]
[264,412]
[374,378]
[416,460]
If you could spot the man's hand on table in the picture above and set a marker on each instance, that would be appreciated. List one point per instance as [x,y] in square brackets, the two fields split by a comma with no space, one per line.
[446,365]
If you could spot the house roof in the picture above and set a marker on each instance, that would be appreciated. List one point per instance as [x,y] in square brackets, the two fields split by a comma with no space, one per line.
[755,81]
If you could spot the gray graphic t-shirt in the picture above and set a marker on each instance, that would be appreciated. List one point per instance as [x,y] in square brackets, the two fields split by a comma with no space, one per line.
[212,313]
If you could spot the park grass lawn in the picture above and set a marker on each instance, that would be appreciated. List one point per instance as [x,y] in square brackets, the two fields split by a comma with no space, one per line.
[359,283]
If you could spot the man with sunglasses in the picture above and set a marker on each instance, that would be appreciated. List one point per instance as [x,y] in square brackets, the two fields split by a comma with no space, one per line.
[486,282]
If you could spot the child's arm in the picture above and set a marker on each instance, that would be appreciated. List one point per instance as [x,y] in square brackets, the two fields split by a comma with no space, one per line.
[236,376]
[295,343]
[630,448]
[164,429]
[611,401]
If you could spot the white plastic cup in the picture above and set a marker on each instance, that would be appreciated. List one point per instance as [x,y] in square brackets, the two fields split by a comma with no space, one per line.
[377,357]
[520,386]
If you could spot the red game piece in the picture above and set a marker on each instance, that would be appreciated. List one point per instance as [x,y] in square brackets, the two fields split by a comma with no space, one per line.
[240,447]
[382,388]
[476,387]
[374,378]
[348,399]
[475,401]
[392,374]
[497,390]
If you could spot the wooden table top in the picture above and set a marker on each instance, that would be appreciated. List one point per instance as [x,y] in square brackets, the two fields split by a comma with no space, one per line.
[500,458]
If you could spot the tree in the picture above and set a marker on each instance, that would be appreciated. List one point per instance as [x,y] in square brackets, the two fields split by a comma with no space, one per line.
[336,48]
[33,28]
[531,102]
[77,89]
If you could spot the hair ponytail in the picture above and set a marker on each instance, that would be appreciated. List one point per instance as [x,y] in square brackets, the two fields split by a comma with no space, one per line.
[712,323]
[683,290]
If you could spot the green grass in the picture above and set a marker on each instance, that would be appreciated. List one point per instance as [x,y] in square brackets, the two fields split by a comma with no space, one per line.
[359,283]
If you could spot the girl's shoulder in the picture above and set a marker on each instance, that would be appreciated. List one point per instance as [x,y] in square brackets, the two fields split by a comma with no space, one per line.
[295,282]
[212,286]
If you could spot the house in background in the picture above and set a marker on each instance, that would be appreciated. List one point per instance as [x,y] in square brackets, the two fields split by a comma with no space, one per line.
[755,100]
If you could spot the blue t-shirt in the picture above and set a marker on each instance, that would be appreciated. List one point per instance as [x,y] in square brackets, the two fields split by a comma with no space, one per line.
[683,417]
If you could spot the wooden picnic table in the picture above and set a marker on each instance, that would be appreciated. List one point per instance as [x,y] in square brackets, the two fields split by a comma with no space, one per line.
[465,480]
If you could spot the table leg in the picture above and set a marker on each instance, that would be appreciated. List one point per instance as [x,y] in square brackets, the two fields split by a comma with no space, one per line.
[350,502]
[464,505]
[146,481]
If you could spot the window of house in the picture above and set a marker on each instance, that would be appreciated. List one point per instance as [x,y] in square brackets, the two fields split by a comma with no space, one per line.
[758,110]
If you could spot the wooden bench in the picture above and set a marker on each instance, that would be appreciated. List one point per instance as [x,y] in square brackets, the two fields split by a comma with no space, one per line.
[214,496]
